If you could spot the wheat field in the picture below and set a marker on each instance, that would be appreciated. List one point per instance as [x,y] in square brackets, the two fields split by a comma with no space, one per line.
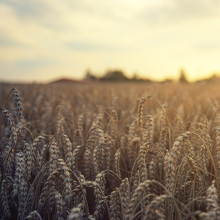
[110,151]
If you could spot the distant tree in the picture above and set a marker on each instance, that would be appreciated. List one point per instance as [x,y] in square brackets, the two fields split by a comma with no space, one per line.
[167,81]
[89,75]
[183,78]
[115,75]
[136,77]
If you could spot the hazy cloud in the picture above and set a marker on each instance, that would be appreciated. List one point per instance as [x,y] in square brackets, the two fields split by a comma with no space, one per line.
[173,11]
[207,46]
[86,46]
[30,8]
[7,42]
[34,63]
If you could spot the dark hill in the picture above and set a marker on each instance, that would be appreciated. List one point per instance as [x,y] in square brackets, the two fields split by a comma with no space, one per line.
[65,80]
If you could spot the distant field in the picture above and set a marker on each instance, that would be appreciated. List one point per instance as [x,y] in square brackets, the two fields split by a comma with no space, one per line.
[110,151]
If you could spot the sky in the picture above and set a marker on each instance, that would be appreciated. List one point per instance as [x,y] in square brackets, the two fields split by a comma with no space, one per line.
[43,40]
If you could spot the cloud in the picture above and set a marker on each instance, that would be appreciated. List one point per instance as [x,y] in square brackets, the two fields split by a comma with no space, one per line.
[8,42]
[207,46]
[35,63]
[38,12]
[174,11]
[86,46]
[24,9]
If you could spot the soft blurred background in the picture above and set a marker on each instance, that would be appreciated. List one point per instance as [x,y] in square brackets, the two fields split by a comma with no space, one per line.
[44,40]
